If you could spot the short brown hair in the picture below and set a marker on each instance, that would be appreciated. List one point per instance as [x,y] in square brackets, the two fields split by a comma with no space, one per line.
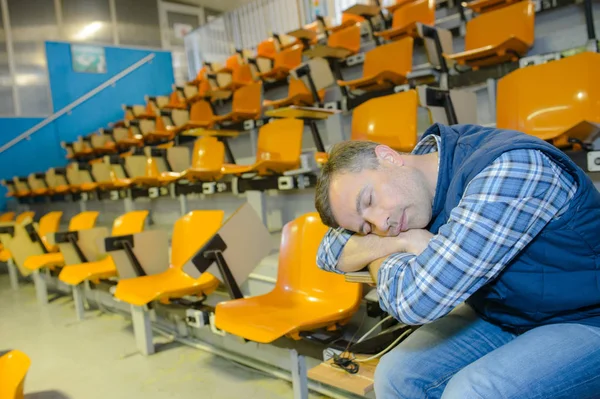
[344,157]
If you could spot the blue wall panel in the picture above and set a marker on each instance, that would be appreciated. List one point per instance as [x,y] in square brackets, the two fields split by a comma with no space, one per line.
[154,78]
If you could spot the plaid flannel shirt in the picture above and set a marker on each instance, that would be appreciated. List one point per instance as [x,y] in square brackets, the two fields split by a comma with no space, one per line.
[502,209]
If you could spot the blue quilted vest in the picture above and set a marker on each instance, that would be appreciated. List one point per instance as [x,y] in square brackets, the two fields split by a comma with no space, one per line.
[556,278]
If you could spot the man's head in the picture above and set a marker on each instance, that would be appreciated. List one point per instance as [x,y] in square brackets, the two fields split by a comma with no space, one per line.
[367,188]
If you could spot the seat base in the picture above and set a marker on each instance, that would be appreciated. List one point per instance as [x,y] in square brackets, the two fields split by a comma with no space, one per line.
[382,80]
[399,33]
[37,262]
[509,50]
[172,283]
[93,271]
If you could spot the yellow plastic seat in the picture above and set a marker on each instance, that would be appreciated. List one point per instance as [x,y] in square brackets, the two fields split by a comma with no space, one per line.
[13,370]
[49,223]
[304,298]
[347,39]
[175,101]
[498,36]
[246,105]
[384,67]
[241,74]
[298,94]
[5,255]
[81,221]
[190,233]
[406,17]
[114,182]
[7,217]
[481,6]
[207,161]
[22,217]
[554,101]
[279,149]
[284,62]
[129,223]
[377,120]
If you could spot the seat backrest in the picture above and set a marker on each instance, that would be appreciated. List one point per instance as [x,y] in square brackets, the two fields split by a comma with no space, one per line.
[209,153]
[320,72]
[35,182]
[547,99]
[72,173]
[7,217]
[347,38]
[389,120]
[201,111]
[395,57]
[101,171]
[191,232]
[266,48]
[55,179]
[129,223]
[494,27]
[233,62]
[290,57]
[346,18]
[22,217]
[83,221]
[248,99]
[13,369]
[422,11]
[49,223]
[280,140]
[298,271]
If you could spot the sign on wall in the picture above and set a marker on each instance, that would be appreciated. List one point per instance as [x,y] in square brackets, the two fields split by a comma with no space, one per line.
[90,59]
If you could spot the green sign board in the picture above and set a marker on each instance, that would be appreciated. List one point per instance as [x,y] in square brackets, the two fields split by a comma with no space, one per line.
[89,59]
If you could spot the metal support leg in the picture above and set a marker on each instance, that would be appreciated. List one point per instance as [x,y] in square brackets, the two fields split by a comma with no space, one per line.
[183,205]
[334,129]
[299,378]
[41,289]
[491,89]
[128,204]
[78,300]
[13,274]
[82,206]
[142,330]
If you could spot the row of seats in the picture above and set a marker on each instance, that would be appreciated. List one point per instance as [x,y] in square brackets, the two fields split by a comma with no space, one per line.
[563,114]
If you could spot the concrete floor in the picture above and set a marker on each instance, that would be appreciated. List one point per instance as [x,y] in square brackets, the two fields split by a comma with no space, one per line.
[96,358]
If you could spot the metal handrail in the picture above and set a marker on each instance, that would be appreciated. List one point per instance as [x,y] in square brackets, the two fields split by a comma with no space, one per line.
[77,102]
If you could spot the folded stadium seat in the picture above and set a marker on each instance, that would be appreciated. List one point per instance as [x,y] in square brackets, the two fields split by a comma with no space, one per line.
[81,148]
[481,6]
[340,44]
[298,94]
[22,189]
[85,179]
[285,60]
[190,233]
[399,3]
[406,18]
[129,223]
[304,298]
[125,137]
[38,184]
[157,165]
[11,191]
[348,20]
[13,370]
[57,182]
[7,217]
[175,101]
[24,217]
[556,101]
[102,142]
[107,178]
[498,36]
[200,116]
[385,66]
[207,161]
[246,105]
[265,55]
[235,74]
[278,149]
[376,120]
[81,221]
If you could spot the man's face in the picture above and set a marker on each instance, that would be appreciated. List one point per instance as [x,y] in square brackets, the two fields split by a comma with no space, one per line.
[384,201]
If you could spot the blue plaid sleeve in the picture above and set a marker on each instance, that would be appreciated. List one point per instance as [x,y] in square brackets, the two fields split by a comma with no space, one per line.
[331,249]
[503,208]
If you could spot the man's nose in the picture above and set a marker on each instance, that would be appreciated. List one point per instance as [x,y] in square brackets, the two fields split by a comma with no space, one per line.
[378,220]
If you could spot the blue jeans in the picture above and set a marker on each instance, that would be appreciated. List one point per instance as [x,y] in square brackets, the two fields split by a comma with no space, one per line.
[461,356]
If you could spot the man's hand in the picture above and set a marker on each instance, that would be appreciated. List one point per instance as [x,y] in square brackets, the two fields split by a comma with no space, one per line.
[415,240]
[362,250]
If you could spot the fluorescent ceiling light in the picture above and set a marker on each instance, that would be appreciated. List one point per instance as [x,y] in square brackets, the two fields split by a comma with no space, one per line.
[89,30]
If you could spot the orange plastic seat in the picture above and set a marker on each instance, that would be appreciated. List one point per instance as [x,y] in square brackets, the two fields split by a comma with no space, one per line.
[321,158]
[5,255]
[7,217]
[284,62]
[175,101]
[246,105]
[201,116]
[347,21]
[384,67]
[279,148]
[554,101]
[81,221]
[377,120]
[406,17]
[347,39]
[49,223]
[13,370]
[152,176]
[304,298]
[22,217]
[498,36]
[399,3]
[207,161]
[129,223]
[298,94]
[241,75]
[114,182]
[190,233]
[481,6]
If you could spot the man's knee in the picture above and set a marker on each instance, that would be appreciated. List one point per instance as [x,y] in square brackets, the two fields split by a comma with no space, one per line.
[471,382]
[403,374]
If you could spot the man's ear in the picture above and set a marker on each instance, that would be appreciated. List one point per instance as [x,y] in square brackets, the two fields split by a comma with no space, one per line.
[386,154]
